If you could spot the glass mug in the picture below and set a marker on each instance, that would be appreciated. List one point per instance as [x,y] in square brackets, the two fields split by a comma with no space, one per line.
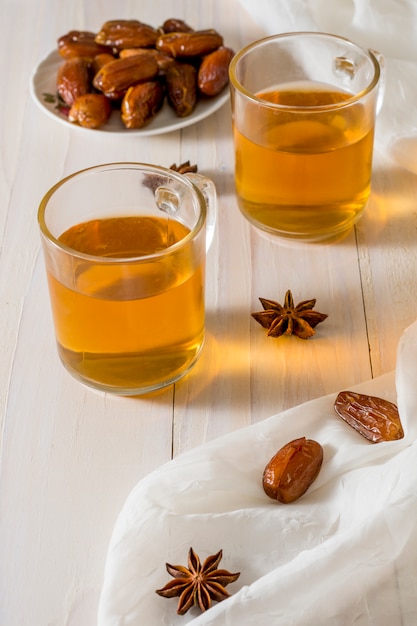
[124,247]
[304,107]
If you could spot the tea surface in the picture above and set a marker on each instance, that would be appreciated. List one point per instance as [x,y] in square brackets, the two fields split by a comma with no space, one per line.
[304,173]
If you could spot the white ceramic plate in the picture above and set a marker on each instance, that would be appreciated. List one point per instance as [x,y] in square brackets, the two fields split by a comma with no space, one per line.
[43,82]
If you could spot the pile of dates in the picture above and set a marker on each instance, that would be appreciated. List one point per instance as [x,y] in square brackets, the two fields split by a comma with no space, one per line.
[133,67]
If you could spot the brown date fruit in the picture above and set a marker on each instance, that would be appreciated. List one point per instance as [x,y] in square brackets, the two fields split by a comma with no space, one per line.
[181,82]
[141,103]
[173,25]
[100,60]
[130,52]
[90,110]
[196,43]
[213,73]
[374,418]
[80,43]
[292,470]
[127,34]
[116,77]
[73,79]
[163,60]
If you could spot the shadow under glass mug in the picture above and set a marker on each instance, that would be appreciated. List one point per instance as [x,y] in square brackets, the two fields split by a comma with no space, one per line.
[124,248]
[304,107]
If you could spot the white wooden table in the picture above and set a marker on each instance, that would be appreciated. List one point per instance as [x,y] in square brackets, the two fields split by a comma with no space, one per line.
[69,455]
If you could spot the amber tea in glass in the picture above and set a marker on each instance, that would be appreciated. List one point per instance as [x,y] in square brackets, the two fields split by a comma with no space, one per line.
[125,248]
[304,108]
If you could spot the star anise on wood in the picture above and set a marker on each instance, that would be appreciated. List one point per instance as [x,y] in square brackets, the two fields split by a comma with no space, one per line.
[280,320]
[154,181]
[184,168]
[197,585]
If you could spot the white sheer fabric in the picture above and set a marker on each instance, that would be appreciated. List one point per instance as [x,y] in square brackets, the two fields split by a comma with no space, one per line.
[342,554]
[345,553]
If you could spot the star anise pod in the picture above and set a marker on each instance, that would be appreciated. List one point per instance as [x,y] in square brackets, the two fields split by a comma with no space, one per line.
[184,168]
[280,320]
[197,585]
[153,182]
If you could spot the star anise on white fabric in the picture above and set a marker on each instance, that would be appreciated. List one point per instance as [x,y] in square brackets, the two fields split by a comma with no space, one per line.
[197,585]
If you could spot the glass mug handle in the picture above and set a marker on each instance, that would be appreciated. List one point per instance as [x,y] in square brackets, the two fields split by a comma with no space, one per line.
[168,199]
[208,189]
[347,65]
[382,79]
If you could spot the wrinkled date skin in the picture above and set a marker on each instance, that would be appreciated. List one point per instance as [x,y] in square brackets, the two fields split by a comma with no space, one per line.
[127,34]
[100,60]
[213,73]
[191,44]
[292,470]
[73,79]
[181,81]
[162,60]
[90,110]
[80,43]
[116,77]
[141,103]
[173,25]
[374,418]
